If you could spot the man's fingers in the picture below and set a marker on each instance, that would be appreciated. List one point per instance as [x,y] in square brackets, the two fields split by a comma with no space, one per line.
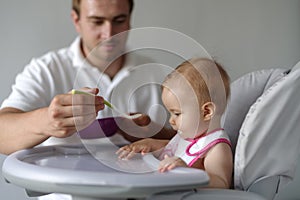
[143,120]
[81,122]
[77,99]
[79,110]
[82,99]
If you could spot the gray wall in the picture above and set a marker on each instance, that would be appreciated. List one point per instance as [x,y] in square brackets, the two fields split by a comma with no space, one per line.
[244,35]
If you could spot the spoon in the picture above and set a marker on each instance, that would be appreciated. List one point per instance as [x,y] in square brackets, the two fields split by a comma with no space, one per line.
[110,105]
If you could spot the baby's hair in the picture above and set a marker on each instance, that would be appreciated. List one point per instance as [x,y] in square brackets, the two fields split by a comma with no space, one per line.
[207,78]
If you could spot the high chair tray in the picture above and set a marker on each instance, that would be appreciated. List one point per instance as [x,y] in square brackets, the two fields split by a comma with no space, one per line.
[77,171]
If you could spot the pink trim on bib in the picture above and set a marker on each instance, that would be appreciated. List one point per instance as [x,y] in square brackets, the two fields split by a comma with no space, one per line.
[200,153]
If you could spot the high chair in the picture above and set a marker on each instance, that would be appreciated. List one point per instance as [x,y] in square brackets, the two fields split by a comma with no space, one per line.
[262,120]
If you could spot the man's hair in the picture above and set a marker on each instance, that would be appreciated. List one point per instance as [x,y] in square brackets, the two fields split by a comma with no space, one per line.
[76,6]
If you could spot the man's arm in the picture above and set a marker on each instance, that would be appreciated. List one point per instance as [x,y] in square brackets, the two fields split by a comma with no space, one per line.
[19,129]
[65,114]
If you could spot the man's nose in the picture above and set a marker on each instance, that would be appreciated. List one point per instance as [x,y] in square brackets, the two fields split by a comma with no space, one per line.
[107,31]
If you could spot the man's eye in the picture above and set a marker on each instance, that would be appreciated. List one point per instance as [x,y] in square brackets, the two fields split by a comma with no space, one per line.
[120,20]
[98,22]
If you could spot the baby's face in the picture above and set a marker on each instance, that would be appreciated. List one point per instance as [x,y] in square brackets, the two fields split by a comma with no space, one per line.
[185,116]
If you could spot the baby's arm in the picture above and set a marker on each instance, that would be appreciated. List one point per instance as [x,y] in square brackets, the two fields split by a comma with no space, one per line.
[218,163]
[142,146]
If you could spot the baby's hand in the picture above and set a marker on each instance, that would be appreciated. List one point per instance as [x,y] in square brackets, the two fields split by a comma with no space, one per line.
[169,163]
[130,150]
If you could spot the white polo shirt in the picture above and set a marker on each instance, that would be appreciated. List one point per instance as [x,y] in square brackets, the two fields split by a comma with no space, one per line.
[135,88]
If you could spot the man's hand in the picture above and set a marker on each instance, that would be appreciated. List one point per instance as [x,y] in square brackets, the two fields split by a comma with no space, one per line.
[68,113]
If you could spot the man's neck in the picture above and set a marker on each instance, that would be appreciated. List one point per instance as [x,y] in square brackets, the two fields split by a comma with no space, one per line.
[111,69]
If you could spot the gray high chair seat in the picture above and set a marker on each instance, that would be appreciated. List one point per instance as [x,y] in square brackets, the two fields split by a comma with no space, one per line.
[262,120]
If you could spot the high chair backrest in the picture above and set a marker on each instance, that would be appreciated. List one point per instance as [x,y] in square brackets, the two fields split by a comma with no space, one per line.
[262,120]
[244,92]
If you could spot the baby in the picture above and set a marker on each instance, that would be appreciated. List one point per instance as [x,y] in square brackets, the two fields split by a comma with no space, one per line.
[195,94]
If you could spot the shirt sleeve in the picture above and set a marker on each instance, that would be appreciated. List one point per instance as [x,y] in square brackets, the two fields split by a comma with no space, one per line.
[31,88]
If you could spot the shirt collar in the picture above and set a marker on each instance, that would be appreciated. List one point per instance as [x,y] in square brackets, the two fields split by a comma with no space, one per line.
[78,58]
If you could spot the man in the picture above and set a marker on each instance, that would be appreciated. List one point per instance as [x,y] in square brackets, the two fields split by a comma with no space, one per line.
[41,108]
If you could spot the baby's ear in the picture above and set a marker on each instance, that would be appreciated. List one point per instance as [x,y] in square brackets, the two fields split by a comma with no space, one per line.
[208,110]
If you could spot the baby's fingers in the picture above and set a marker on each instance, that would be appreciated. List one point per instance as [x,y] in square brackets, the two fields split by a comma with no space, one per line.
[130,155]
[167,164]
[123,154]
[122,149]
[164,167]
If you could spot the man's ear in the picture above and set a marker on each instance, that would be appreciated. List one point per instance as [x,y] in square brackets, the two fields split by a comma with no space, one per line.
[208,110]
[75,19]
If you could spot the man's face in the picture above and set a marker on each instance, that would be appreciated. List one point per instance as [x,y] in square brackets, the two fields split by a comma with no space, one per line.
[99,20]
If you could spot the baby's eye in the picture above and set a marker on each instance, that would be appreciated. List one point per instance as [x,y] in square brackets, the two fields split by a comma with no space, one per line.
[177,114]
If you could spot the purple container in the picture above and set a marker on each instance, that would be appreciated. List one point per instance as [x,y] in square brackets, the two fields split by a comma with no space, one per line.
[105,127]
